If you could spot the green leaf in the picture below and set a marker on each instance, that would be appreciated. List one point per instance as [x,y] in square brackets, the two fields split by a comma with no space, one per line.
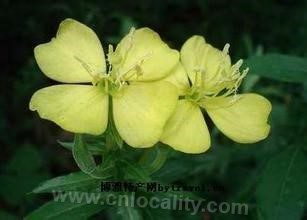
[154,158]
[249,82]
[279,67]
[21,174]
[95,149]
[172,171]
[107,168]
[176,195]
[305,91]
[282,192]
[82,156]
[129,213]
[21,158]
[86,162]
[64,211]
[71,182]
[153,214]
[134,171]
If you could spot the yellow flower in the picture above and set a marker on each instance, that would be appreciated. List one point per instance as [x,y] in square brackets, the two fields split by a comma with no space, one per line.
[214,83]
[141,104]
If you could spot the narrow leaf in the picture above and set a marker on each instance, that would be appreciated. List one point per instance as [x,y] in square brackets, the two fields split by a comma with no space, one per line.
[282,192]
[64,211]
[279,67]
[72,182]
[129,213]
[86,162]
[82,156]
[153,159]
[94,148]
[135,171]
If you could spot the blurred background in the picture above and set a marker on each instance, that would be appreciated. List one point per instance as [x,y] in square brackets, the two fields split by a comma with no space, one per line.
[251,174]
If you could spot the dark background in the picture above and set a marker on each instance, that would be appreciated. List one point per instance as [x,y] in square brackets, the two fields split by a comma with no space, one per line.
[29,151]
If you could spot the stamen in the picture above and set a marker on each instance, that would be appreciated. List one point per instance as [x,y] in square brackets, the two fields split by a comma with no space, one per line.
[110,49]
[236,67]
[226,49]
[110,57]
[130,38]
[129,43]
[136,68]
[89,69]
[229,81]
[221,73]
[224,82]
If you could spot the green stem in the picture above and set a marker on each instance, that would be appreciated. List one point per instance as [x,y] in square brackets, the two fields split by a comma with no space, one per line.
[113,140]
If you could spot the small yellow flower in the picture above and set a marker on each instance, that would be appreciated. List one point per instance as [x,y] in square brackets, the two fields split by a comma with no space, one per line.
[141,102]
[214,83]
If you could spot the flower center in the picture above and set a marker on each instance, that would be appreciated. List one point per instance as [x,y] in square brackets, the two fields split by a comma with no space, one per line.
[223,82]
[118,71]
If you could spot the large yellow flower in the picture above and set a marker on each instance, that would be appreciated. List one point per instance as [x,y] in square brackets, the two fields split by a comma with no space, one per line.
[141,104]
[213,86]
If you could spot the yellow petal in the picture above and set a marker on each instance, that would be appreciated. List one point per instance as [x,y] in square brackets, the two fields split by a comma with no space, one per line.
[75,108]
[186,130]
[197,55]
[179,78]
[144,56]
[141,111]
[243,120]
[75,55]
